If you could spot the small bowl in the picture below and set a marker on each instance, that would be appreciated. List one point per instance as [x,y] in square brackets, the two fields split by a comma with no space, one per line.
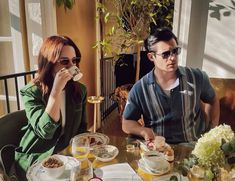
[155,160]
[53,166]
[105,153]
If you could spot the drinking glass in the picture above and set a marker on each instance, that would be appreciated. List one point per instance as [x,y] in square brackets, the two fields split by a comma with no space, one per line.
[80,147]
[80,150]
[84,173]
[75,173]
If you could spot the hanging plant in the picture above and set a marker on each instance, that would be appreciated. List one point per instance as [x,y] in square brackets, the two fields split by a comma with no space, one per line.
[68,4]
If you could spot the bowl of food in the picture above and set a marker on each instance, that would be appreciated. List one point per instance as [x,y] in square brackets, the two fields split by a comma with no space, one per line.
[105,153]
[53,166]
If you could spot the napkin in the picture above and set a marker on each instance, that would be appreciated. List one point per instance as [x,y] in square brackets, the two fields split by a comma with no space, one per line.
[120,172]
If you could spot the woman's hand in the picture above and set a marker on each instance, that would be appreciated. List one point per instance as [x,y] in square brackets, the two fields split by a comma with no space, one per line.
[54,101]
[61,79]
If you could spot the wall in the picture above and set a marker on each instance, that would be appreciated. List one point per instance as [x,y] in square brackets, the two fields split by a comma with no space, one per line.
[220,42]
[79,24]
[34,30]
[205,29]
[41,23]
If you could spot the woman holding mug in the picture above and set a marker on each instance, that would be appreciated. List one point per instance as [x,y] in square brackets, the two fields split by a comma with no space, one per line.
[55,103]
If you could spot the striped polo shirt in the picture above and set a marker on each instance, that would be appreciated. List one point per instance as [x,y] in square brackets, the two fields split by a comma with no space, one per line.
[177,117]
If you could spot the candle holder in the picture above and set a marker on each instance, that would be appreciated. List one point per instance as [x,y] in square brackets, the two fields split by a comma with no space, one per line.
[95,100]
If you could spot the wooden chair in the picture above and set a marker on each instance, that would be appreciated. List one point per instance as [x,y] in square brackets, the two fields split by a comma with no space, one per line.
[120,95]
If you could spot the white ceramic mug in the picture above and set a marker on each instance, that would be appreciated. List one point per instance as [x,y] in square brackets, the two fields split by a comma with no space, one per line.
[75,72]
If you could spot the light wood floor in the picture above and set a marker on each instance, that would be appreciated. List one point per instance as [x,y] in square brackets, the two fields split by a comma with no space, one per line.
[111,125]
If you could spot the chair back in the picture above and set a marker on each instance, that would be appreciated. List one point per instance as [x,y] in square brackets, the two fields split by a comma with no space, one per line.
[10,128]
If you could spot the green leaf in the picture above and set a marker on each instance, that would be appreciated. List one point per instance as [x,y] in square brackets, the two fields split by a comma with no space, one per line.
[173,178]
[154,21]
[106,17]
[59,2]
[208,175]
[232,142]
[68,4]
[101,7]
[227,148]
[133,2]
[112,30]
[96,45]
[227,13]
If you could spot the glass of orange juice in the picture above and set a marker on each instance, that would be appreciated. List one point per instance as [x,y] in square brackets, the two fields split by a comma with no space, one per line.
[80,147]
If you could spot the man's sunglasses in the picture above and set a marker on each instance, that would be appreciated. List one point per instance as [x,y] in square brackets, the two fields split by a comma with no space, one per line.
[167,54]
[65,60]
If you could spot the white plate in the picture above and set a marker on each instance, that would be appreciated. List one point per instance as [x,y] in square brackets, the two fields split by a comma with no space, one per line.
[36,172]
[161,171]
[96,138]
[105,153]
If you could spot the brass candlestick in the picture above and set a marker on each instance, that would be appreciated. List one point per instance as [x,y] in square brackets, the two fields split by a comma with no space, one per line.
[95,100]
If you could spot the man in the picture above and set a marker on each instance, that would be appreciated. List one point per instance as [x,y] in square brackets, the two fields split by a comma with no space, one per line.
[169,97]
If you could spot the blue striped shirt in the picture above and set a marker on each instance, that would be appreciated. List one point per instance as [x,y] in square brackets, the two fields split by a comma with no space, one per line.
[177,117]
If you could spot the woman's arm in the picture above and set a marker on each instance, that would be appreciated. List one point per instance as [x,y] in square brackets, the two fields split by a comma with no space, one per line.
[54,101]
[43,116]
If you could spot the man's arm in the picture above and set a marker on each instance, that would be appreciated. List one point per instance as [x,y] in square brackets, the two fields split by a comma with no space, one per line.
[133,127]
[212,110]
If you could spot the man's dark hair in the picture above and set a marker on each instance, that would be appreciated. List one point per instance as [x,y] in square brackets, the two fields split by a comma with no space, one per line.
[160,34]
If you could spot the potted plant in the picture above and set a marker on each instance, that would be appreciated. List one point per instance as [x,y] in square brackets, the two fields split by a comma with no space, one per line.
[131,23]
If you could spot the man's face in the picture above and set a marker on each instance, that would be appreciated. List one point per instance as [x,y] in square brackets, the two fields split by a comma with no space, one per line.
[164,55]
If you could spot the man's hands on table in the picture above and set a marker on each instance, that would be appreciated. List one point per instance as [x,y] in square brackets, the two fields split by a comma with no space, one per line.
[133,127]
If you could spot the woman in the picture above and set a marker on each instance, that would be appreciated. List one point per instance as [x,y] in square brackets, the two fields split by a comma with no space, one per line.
[55,105]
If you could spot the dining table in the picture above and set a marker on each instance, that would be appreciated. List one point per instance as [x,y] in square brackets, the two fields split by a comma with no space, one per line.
[132,157]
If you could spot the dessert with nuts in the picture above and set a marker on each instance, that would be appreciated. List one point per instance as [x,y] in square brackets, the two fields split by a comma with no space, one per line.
[52,162]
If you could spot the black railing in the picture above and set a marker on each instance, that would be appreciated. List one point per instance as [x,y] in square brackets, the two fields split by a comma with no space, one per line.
[5,79]
[108,84]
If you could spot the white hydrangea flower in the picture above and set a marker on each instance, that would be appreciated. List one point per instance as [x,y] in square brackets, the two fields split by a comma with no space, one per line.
[207,148]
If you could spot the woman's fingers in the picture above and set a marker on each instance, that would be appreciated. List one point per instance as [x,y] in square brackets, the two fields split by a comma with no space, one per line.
[64,74]
[61,79]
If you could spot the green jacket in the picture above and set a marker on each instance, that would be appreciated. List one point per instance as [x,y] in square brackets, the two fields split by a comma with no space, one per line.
[42,136]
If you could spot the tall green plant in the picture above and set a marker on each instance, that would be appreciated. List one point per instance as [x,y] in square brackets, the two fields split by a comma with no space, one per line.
[132,23]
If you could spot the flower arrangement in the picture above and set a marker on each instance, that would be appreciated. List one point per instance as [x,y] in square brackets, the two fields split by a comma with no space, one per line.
[213,156]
